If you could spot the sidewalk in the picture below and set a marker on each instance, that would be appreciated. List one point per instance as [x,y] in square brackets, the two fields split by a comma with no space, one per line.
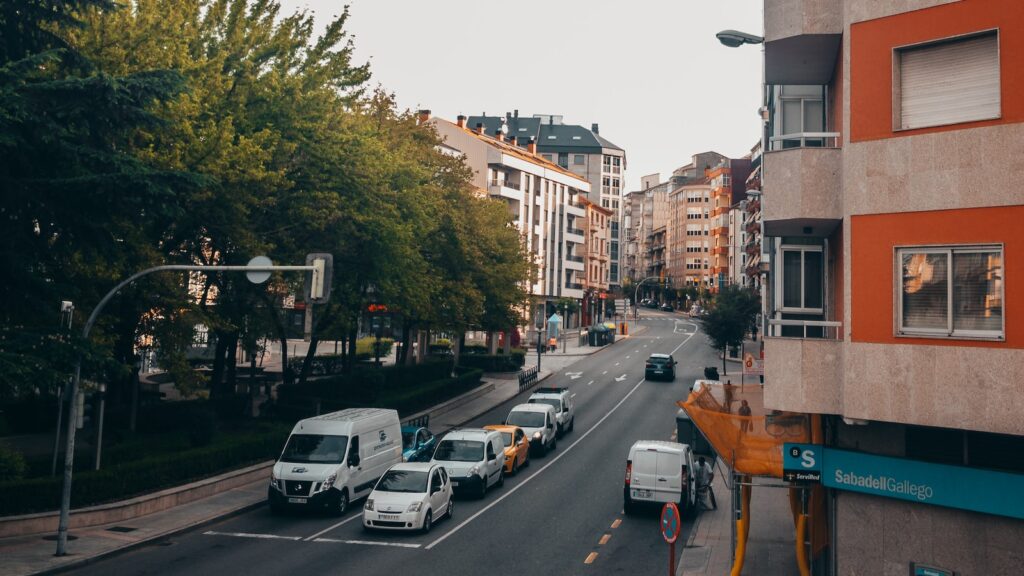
[770,547]
[33,554]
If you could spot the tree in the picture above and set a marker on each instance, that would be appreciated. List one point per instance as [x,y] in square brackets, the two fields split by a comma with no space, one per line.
[733,312]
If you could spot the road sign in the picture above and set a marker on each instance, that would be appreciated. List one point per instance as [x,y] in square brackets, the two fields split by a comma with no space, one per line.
[752,366]
[801,463]
[670,523]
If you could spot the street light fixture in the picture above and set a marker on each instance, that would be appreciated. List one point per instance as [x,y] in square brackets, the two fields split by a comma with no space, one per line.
[735,38]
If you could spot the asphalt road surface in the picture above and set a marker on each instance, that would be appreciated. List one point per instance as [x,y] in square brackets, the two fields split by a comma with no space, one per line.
[561,515]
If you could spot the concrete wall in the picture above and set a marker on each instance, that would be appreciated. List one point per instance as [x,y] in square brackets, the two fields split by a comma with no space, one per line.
[785,18]
[804,375]
[803,183]
[881,537]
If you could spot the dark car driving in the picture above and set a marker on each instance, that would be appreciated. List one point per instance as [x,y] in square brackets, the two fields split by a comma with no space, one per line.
[660,366]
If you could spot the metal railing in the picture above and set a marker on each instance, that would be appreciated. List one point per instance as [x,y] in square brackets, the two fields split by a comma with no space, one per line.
[820,329]
[805,140]
[528,378]
[573,258]
[506,184]
[575,231]
[421,422]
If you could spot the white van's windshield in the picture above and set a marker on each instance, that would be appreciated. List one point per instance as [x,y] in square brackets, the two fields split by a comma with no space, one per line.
[526,419]
[315,449]
[459,451]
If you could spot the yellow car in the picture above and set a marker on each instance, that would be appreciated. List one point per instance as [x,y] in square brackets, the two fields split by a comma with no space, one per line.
[517,447]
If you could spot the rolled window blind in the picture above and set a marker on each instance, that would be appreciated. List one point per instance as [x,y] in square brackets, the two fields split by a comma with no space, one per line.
[951,82]
[925,291]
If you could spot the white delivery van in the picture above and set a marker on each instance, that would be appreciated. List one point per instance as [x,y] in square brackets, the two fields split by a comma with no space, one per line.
[335,458]
[474,459]
[539,422]
[658,472]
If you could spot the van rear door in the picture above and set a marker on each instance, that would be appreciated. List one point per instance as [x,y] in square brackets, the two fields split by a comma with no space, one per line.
[644,479]
[670,476]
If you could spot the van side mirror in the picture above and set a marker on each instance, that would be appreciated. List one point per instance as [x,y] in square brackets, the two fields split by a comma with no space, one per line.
[353,460]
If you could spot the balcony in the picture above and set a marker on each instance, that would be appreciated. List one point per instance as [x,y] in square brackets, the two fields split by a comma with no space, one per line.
[804,374]
[802,40]
[804,190]
[574,235]
[573,286]
[720,251]
[575,210]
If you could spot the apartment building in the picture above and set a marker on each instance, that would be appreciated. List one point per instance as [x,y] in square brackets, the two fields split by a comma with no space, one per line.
[752,221]
[689,241]
[648,212]
[582,151]
[543,199]
[736,255]
[892,211]
[596,224]
[727,181]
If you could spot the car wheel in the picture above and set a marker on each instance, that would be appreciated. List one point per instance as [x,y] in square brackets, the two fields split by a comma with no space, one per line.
[483,488]
[554,443]
[559,431]
[515,466]
[627,506]
[427,521]
[451,508]
[341,505]
[526,461]
[501,478]
[572,424]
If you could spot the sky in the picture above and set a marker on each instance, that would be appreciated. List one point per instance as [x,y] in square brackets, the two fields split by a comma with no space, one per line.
[650,72]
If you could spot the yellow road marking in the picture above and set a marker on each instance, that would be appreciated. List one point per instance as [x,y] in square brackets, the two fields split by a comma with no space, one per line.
[604,539]
[617,522]
[590,559]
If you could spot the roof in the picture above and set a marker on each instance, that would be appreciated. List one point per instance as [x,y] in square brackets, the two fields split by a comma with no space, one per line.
[587,203]
[547,135]
[467,434]
[660,445]
[353,414]
[531,408]
[659,355]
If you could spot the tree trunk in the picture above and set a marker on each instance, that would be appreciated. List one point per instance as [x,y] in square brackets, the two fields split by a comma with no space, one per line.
[404,344]
[219,352]
[133,413]
[724,351]
[231,373]
[282,335]
[353,334]
[456,351]
[307,362]
[508,342]
[410,353]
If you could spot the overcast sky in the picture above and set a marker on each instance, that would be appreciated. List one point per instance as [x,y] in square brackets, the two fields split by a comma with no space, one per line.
[650,72]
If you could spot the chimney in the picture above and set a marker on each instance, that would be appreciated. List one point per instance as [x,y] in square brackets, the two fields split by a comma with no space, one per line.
[479,128]
[593,128]
[531,146]
[460,121]
[515,113]
[423,116]
[499,135]
[514,140]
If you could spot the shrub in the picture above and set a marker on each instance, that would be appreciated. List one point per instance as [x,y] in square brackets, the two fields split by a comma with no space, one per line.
[710,373]
[494,362]
[201,426]
[12,464]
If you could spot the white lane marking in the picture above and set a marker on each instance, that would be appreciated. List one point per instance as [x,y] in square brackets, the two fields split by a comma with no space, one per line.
[329,528]
[549,464]
[603,373]
[573,375]
[627,358]
[616,363]
[369,543]
[589,383]
[251,535]
[620,378]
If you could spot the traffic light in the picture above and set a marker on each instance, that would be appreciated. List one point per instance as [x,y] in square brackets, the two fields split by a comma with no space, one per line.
[318,282]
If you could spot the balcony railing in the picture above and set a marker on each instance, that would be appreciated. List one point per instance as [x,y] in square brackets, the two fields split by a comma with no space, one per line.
[506,184]
[573,258]
[805,140]
[823,329]
[575,231]
[573,286]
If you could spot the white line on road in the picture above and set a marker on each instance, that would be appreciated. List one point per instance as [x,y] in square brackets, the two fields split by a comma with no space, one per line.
[549,464]
[329,528]
[616,363]
[603,373]
[250,535]
[369,543]
[589,383]
[627,358]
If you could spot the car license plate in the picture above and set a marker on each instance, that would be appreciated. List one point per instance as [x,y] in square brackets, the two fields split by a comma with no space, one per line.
[296,500]
[454,483]
[388,516]
[641,493]
[658,371]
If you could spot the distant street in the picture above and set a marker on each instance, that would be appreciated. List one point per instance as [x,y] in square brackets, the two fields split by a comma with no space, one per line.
[561,515]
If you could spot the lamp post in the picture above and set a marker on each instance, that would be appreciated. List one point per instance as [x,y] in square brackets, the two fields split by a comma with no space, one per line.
[636,292]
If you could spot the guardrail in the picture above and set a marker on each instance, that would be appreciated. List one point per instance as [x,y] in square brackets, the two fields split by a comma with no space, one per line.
[805,140]
[528,378]
[421,422]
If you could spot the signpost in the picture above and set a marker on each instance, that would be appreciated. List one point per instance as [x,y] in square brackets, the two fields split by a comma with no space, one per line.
[670,528]
[802,463]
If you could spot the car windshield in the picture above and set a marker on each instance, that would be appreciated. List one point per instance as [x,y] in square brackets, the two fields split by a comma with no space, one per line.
[460,451]
[507,438]
[526,419]
[408,440]
[553,402]
[658,361]
[314,449]
[403,481]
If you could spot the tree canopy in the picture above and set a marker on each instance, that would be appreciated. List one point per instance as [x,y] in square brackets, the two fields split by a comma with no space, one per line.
[732,314]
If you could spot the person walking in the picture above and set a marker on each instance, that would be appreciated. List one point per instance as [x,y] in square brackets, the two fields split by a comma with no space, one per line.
[705,475]
[744,411]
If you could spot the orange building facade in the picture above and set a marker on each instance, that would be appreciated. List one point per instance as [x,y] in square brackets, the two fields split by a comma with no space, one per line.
[893,299]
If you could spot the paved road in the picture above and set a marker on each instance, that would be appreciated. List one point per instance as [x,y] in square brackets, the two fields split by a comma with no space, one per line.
[561,515]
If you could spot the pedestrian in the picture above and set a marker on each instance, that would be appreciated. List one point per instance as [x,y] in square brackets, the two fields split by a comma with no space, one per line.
[730,392]
[744,411]
[705,475]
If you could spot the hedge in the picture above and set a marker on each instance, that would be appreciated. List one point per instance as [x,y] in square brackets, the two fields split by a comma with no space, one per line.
[494,362]
[150,474]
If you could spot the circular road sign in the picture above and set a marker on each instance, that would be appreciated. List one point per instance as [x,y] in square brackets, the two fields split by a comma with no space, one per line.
[259,277]
[670,524]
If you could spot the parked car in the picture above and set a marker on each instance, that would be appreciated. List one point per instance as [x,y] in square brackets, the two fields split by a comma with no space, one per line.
[651,304]
[538,421]
[561,400]
[667,308]
[418,444]
[474,459]
[333,459]
[659,472]
[517,447]
[661,366]
[409,496]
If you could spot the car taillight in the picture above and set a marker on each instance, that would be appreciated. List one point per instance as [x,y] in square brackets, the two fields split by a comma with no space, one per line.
[629,471]
[649,365]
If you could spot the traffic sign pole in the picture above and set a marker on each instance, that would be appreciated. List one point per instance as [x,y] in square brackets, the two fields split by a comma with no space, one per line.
[670,527]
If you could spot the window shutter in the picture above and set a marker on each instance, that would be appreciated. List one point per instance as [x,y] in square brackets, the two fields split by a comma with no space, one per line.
[925,291]
[950,82]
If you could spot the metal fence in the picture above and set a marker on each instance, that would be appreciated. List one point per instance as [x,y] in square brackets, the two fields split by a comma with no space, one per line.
[420,422]
[528,378]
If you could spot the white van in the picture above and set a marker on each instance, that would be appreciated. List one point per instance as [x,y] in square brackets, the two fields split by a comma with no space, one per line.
[539,422]
[335,458]
[474,459]
[658,472]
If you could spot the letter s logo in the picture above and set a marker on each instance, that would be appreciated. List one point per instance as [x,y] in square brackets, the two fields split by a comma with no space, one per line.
[807,459]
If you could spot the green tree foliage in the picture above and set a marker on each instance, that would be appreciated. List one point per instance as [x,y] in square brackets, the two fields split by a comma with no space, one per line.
[731,316]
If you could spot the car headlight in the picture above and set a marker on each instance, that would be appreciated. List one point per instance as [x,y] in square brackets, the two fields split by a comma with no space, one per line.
[273,480]
[329,482]
[536,435]
[369,504]
[415,507]
[474,470]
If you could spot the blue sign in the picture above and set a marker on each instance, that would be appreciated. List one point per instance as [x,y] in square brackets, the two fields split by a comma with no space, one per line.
[801,462]
[929,571]
[988,491]
[670,522]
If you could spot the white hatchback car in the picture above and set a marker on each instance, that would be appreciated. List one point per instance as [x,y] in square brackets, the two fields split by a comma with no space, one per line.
[409,496]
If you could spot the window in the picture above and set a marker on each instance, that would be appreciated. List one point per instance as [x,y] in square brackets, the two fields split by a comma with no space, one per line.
[577,159]
[548,157]
[947,82]
[951,291]
[803,275]
[796,110]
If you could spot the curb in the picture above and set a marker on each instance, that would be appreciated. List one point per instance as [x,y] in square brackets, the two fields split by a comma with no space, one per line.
[168,534]
[473,417]
[454,403]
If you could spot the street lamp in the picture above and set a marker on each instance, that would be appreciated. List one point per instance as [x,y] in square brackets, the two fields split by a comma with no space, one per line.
[735,38]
